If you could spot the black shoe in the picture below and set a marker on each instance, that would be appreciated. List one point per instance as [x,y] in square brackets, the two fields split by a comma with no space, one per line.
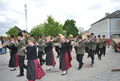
[20,75]
[79,68]
[104,55]
[13,69]
[92,64]
[64,74]
[100,58]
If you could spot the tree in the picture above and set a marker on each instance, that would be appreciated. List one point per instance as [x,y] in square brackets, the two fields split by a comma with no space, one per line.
[52,27]
[39,29]
[13,31]
[70,28]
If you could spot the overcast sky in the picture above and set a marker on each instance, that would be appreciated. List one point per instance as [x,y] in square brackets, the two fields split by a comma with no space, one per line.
[84,12]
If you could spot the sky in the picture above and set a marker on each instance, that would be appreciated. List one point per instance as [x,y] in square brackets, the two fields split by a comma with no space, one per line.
[84,12]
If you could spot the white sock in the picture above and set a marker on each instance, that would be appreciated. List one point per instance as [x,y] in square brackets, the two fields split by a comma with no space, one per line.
[48,68]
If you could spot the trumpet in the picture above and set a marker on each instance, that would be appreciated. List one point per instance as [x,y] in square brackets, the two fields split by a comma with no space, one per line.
[73,43]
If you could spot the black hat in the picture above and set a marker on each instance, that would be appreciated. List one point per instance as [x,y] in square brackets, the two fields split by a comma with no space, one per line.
[11,36]
[103,36]
[98,35]
[39,36]
[32,35]
[88,35]
[92,34]
[20,34]
[79,37]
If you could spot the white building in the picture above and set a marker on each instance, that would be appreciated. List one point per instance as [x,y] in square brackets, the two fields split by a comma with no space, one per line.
[108,26]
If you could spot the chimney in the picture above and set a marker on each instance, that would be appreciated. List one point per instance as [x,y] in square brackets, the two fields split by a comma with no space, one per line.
[106,14]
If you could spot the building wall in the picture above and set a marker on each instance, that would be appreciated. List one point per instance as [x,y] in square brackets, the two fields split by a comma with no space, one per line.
[106,27]
[115,26]
[100,28]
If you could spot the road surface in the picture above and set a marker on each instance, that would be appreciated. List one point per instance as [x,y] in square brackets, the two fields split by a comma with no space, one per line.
[101,71]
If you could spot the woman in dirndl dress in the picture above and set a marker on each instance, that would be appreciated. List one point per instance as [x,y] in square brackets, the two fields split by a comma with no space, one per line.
[69,46]
[13,62]
[50,61]
[34,69]
[64,57]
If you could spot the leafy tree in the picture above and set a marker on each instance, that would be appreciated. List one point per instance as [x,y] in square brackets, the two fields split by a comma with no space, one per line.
[39,29]
[13,31]
[70,28]
[52,27]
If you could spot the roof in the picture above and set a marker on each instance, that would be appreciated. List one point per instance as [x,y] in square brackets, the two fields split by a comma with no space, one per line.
[115,14]
[23,31]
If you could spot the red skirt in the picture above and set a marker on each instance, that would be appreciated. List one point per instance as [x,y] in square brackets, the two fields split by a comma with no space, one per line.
[70,56]
[68,64]
[50,60]
[34,70]
[64,61]
[16,59]
[39,73]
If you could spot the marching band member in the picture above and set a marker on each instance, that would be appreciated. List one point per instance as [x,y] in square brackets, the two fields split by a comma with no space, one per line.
[92,47]
[21,54]
[13,62]
[104,45]
[100,46]
[50,61]
[34,70]
[69,49]
[41,49]
[88,45]
[80,51]
[57,49]
[64,60]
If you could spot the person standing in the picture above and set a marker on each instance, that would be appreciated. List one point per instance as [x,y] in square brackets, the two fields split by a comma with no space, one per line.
[41,49]
[88,45]
[80,51]
[100,46]
[69,49]
[64,58]
[21,53]
[57,49]
[50,61]
[34,70]
[93,44]
[104,45]
[13,53]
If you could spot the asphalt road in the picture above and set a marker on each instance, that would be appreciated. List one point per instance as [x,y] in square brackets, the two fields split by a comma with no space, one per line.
[101,71]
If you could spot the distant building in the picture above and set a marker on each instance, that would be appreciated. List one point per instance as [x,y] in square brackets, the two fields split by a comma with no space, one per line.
[23,31]
[108,26]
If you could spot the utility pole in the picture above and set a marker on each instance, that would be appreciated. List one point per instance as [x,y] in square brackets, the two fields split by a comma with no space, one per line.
[26,15]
